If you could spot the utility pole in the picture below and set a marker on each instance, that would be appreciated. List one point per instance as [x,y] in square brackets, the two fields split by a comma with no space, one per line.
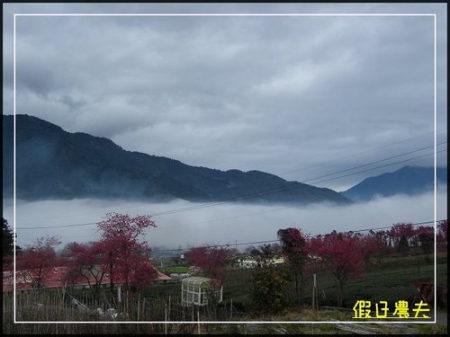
[198,319]
[111,283]
[314,296]
[165,318]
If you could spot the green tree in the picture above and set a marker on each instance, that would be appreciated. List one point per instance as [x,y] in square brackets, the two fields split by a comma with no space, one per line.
[425,235]
[269,291]
[403,246]
[402,234]
[293,245]
[8,243]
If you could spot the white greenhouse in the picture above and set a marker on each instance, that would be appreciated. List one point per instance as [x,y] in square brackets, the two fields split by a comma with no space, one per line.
[195,290]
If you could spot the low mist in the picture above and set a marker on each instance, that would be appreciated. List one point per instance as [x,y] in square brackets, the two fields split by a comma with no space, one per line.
[182,224]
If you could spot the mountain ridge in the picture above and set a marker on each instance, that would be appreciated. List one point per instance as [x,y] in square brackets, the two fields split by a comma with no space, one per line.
[408,180]
[54,163]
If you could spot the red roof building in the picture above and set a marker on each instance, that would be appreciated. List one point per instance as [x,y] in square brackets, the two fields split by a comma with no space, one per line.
[54,279]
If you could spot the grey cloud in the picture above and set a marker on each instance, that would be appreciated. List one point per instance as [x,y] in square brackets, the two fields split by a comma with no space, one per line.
[250,93]
[300,97]
[222,224]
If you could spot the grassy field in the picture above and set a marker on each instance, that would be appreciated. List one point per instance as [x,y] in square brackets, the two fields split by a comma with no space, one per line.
[391,280]
[174,269]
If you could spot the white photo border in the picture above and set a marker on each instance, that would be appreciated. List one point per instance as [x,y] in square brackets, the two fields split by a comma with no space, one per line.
[432,15]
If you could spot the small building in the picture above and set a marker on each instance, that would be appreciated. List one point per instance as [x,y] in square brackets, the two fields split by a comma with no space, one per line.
[55,279]
[195,290]
[252,262]
[162,278]
[178,277]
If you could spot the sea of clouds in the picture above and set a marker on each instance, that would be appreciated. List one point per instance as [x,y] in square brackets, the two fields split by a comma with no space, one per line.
[181,224]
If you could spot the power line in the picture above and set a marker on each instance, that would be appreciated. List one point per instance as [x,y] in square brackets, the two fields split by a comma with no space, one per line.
[273,241]
[212,204]
[364,152]
[277,240]
[59,226]
[377,161]
[284,188]
[375,168]
[262,193]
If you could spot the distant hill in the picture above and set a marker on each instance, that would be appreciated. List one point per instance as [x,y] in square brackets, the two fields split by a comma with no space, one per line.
[55,164]
[408,180]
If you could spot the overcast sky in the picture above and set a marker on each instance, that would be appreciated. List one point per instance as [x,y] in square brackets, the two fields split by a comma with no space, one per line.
[299,97]
[307,98]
